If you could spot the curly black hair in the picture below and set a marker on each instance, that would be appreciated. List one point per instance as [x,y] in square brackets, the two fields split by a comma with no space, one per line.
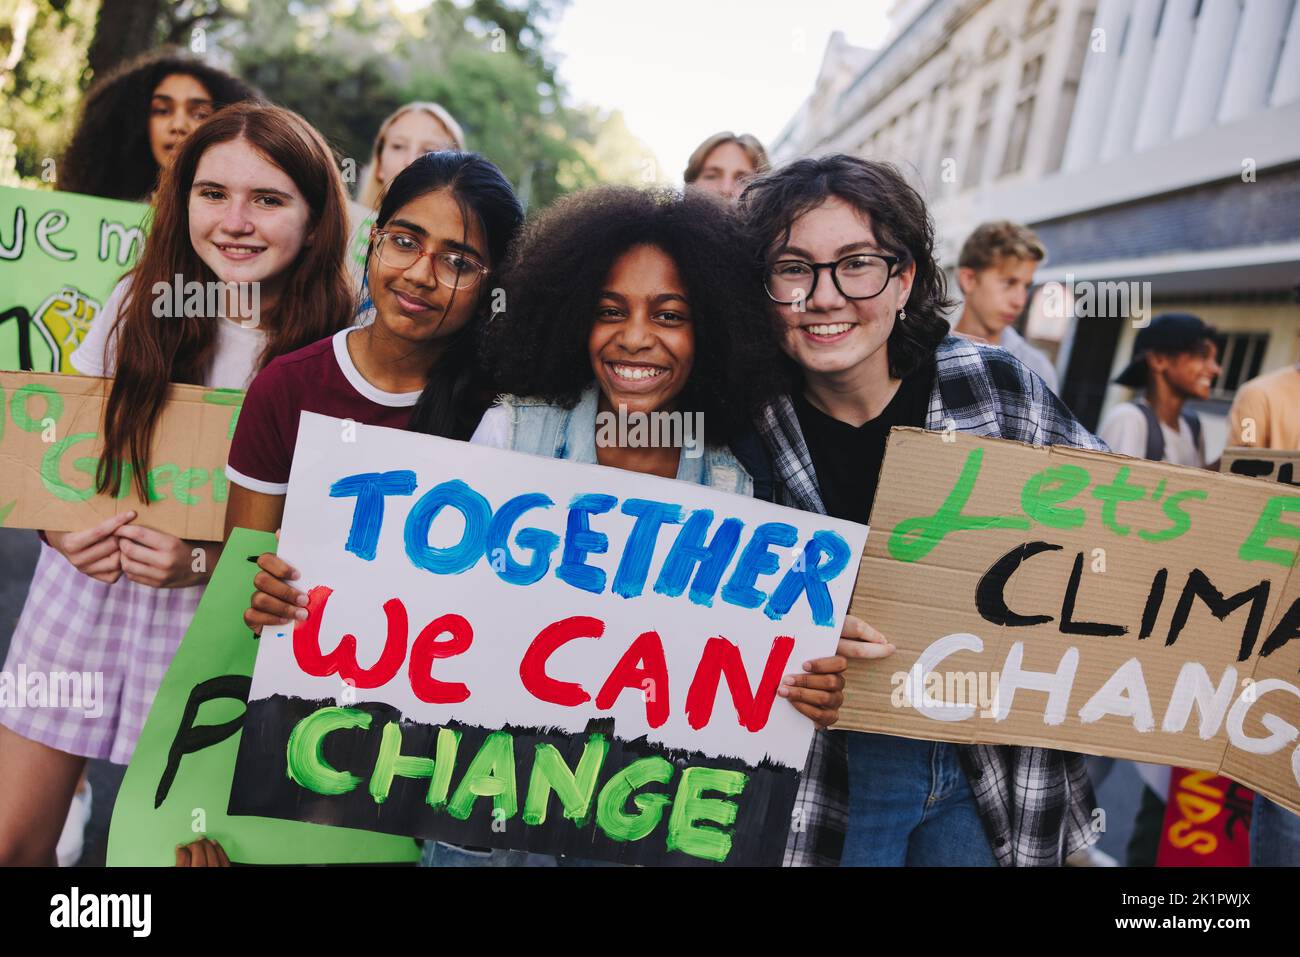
[902,224]
[109,154]
[556,271]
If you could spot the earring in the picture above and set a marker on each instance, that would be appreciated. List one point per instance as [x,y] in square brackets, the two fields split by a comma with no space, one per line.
[902,315]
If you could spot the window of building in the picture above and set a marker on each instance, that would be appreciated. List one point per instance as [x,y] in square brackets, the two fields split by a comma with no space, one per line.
[1069,90]
[1241,354]
[980,140]
[1023,118]
[1042,14]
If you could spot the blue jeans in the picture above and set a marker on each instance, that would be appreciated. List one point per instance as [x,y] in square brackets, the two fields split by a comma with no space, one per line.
[438,854]
[911,805]
[1274,835]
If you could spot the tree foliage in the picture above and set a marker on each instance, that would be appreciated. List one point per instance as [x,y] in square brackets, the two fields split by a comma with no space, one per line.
[345,65]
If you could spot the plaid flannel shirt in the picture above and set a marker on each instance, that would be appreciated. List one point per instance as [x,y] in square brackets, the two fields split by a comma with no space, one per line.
[1036,803]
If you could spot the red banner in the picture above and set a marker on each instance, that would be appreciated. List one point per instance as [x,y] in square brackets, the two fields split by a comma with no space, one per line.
[1207,821]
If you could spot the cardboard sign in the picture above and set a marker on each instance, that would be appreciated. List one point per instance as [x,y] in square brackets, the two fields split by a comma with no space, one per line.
[511,651]
[1272,464]
[50,447]
[1207,822]
[61,254]
[1083,601]
[178,783]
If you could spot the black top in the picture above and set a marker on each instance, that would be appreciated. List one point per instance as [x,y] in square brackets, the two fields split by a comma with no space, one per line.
[846,459]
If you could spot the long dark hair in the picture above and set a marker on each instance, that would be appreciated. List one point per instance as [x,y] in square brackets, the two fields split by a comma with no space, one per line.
[316,300]
[109,154]
[557,270]
[902,225]
[458,393]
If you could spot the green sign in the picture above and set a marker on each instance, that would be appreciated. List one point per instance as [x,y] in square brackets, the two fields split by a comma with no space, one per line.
[61,254]
[178,784]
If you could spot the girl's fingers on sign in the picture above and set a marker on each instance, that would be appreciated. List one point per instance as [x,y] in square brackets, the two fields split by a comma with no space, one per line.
[824,682]
[276,589]
[861,640]
[265,610]
[824,666]
[273,564]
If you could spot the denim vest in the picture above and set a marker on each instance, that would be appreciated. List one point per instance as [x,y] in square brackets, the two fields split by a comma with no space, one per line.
[555,432]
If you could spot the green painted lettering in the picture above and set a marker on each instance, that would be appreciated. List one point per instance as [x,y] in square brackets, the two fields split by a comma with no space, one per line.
[51,469]
[306,764]
[914,538]
[684,834]
[1119,490]
[490,774]
[1046,491]
[19,407]
[160,476]
[1269,526]
[186,482]
[230,397]
[220,487]
[611,808]
[392,763]
[1181,520]
[575,791]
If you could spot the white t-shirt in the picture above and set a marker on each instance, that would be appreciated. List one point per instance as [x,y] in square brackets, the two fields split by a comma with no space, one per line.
[493,429]
[1125,431]
[234,361]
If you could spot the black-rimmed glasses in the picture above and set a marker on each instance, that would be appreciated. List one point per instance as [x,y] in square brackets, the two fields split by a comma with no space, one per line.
[857,276]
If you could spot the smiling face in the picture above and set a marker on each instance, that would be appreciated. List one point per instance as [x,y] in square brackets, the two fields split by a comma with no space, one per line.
[411,135]
[410,303]
[834,336]
[726,170]
[1188,374]
[996,296]
[248,220]
[179,103]
[642,342]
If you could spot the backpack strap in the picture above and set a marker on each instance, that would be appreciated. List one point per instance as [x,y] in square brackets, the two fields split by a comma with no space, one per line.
[1155,435]
[1194,423]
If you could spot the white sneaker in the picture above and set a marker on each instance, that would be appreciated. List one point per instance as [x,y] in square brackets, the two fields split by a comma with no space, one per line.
[73,838]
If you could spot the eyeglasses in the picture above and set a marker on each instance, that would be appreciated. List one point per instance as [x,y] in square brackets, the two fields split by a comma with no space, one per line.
[858,276]
[402,251]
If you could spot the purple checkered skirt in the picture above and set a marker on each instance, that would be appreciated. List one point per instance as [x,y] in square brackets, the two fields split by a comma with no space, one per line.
[124,631]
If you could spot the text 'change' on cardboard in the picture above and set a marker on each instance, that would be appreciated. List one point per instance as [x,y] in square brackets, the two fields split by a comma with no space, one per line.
[1083,601]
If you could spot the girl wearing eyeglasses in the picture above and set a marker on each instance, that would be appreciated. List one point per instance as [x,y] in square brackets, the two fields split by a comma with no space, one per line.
[850,271]
[443,225]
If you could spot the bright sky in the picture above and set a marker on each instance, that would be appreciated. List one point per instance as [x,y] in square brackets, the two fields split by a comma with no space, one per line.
[681,70]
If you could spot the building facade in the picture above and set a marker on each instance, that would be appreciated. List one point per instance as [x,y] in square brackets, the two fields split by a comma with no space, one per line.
[1153,144]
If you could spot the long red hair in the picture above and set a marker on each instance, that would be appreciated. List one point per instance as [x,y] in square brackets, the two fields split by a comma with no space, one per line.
[316,298]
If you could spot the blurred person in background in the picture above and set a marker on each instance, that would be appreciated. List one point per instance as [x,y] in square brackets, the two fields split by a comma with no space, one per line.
[725,162]
[134,119]
[996,271]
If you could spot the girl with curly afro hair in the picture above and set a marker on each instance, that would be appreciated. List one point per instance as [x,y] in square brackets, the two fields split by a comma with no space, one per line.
[570,329]
[621,305]
[133,119]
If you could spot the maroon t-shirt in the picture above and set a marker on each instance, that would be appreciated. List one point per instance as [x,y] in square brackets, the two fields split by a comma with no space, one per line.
[318,378]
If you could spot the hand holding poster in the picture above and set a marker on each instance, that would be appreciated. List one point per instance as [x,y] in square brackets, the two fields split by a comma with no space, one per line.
[514,651]
[1083,601]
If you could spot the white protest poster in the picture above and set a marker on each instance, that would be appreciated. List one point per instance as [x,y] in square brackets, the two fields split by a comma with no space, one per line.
[512,651]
